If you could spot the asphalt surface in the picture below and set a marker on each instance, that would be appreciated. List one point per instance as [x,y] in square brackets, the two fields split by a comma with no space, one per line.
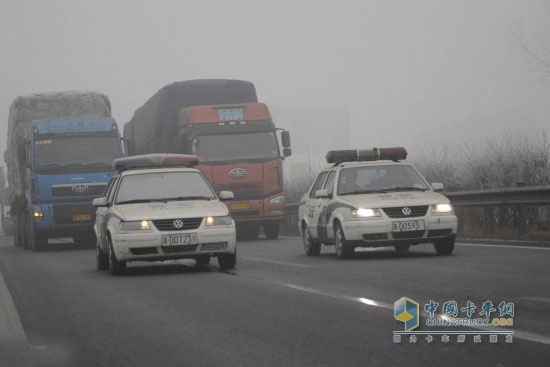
[277,308]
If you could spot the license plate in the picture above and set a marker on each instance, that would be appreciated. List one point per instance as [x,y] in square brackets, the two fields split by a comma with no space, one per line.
[81,217]
[179,239]
[239,206]
[409,225]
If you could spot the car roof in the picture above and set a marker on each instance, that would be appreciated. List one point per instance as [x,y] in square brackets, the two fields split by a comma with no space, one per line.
[368,164]
[157,170]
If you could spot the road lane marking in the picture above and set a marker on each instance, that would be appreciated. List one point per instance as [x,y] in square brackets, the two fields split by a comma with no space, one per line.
[504,246]
[278,262]
[537,299]
[11,328]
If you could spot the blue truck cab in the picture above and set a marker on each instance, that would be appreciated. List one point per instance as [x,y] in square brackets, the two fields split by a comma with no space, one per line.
[68,164]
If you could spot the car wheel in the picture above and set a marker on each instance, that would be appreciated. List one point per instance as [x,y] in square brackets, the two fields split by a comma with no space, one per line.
[202,259]
[116,267]
[311,248]
[402,248]
[271,230]
[227,261]
[344,250]
[102,259]
[445,246]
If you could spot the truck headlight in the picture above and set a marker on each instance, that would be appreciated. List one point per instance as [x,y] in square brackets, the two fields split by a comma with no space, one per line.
[218,221]
[279,199]
[135,225]
[365,213]
[442,209]
[37,212]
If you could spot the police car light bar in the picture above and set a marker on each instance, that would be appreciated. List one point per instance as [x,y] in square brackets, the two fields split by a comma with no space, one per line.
[360,155]
[155,160]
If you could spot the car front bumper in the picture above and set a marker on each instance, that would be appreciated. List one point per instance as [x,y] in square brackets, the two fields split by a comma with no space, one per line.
[148,246]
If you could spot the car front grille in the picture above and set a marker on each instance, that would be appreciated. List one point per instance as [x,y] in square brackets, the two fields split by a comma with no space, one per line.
[439,232]
[215,246]
[143,250]
[397,212]
[178,248]
[407,235]
[168,224]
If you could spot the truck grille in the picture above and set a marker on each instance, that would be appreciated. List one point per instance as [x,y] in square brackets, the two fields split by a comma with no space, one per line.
[243,191]
[73,213]
[168,224]
[79,189]
[397,212]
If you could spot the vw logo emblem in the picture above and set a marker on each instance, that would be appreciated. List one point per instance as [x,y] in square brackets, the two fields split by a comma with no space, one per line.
[178,224]
[406,211]
[80,189]
[238,173]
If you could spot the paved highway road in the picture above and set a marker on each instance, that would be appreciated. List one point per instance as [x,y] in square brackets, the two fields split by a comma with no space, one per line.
[277,308]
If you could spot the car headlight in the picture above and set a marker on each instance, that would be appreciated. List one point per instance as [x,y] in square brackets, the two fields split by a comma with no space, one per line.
[279,199]
[37,212]
[218,221]
[442,209]
[135,225]
[365,213]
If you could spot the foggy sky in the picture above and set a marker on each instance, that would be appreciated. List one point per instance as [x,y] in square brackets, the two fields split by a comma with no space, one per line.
[412,73]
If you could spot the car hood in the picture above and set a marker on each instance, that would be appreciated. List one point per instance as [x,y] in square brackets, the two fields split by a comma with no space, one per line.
[392,199]
[172,209]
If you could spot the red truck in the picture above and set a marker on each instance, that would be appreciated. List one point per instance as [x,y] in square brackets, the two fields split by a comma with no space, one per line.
[235,138]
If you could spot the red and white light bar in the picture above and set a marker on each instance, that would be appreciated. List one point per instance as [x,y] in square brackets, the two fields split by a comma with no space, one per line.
[374,154]
[155,160]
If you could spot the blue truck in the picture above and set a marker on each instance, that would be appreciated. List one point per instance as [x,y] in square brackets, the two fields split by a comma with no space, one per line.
[61,147]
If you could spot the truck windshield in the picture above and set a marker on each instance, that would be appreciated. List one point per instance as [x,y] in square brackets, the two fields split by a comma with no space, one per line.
[230,147]
[76,154]
[163,186]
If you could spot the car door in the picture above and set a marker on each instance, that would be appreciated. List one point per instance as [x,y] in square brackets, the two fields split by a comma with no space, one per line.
[323,205]
[101,214]
[311,204]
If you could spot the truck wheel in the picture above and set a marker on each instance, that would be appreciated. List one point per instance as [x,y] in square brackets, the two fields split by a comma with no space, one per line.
[344,250]
[227,261]
[24,230]
[102,259]
[445,246]
[116,267]
[247,232]
[37,241]
[271,230]
[311,248]
[402,248]
[17,238]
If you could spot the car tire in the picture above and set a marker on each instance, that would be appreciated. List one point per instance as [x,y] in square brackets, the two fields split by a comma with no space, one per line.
[202,260]
[445,246]
[227,261]
[344,250]
[402,248]
[271,230]
[311,247]
[102,259]
[116,267]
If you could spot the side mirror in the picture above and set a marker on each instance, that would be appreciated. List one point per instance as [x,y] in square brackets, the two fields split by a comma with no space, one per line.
[226,195]
[287,152]
[99,202]
[437,186]
[323,193]
[285,139]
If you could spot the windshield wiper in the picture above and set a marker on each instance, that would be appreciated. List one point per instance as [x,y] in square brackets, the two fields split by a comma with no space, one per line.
[51,165]
[405,188]
[182,198]
[137,201]
[356,192]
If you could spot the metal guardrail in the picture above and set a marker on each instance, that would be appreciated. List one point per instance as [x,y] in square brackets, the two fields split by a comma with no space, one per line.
[520,196]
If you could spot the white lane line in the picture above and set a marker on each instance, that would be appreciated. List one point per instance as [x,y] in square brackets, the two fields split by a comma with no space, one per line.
[11,328]
[504,246]
[387,306]
[278,262]
[537,299]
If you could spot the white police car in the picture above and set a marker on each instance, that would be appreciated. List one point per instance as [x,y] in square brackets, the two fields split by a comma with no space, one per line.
[157,208]
[371,198]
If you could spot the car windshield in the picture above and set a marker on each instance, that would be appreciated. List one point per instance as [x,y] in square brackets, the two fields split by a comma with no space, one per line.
[163,186]
[380,179]
[217,148]
[72,154]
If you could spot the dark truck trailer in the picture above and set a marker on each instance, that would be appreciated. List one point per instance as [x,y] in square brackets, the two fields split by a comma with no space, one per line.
[154,127]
